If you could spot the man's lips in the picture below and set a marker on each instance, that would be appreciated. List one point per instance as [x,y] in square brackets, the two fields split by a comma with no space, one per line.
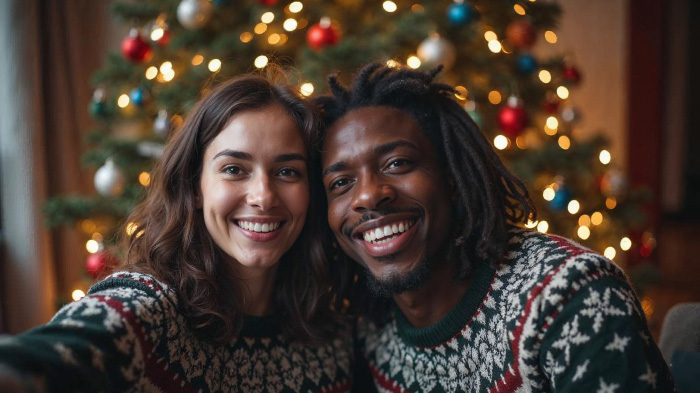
[386,235]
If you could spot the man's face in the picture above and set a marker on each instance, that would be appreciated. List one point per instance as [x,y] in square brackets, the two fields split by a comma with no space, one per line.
[389,201]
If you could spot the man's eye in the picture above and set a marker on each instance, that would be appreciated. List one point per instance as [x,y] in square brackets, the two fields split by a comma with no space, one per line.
[339,183]
[398,162]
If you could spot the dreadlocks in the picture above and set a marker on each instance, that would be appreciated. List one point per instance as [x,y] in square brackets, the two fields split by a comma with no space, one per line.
[488,196]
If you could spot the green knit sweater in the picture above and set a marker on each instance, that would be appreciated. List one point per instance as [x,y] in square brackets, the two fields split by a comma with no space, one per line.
[127,335]
[555,317]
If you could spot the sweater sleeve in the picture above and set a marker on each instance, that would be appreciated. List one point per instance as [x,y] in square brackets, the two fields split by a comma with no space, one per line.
[99,343]
[599,341]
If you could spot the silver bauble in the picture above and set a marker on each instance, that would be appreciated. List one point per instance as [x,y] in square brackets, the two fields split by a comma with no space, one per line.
[436,50]
[109,180]
[162,124]
[194,14]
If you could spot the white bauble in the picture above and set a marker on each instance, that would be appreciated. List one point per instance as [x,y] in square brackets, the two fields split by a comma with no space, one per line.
[162,124]
[436,50]
[194,14]
[109,181]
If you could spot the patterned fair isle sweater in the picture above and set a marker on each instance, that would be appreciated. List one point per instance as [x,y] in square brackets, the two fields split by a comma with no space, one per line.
[127,335]
[555,317]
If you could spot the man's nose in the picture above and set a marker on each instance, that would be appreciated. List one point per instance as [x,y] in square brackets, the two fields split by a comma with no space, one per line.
[371,193]
[262,193]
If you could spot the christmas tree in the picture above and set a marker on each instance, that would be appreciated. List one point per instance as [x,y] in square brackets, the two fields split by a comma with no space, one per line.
[178,48]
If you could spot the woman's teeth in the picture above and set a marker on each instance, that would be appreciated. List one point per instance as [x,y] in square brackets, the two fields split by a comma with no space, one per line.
[258,227]
[387,233]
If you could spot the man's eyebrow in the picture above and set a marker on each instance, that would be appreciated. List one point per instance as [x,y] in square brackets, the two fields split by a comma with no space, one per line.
[338,166]
[290,157]
[388,147]
[233,153]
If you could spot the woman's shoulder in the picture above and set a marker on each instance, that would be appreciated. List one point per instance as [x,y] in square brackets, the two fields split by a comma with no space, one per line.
[126,283]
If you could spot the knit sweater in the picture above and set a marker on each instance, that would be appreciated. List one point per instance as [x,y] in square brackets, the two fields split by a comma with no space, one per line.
[554,317]
[128,335]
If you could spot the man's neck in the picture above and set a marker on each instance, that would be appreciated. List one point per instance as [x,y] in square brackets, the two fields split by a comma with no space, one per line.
[430,303]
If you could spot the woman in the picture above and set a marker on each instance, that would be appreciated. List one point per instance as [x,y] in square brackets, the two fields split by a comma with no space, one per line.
[225,285]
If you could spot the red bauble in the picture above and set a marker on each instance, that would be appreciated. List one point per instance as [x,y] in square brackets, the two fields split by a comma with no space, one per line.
[571,74]
[163,41]
[521,34]
[267,2]
[321,35]
[99,263]
[135,48]
[551,105]
[512,118]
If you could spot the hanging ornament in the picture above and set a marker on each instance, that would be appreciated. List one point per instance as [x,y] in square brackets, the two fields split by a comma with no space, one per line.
[135,48]
[322,34]
[109,180]
[267,2]
[470,107]
[99,264]
[137,96]
[460,13]
[571,74]
[521,34]
[162,124]
[98,107]
[159,32]
[570,115]
[562,197]
[526,63]
[194,14]
[512,118]
[614,183]
[436,50]
[551,104]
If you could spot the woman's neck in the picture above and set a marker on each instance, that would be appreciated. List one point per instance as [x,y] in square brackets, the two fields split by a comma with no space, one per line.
[257,288]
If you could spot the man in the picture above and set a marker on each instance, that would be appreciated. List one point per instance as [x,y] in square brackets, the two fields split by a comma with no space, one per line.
[417,196]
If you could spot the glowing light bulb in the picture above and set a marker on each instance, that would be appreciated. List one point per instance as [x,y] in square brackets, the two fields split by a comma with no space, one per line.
[392,63]
[552,122]
[151,73]
[584,220]
[295,7]
[157,34]
[610,252]
[519,9]
[77,294]
[214,65]
[198,59]
[610,203]
[563,92]
[92,246]
[261,61]
[490,36]
[573,206]
[246,36]
[145,179]
[260,28]
[604,157]
[306,89]
[545,76]
[413,62]
[625,243]
[123,101]
[267,17]
[389,6]
[461,93]
[495,46]
[583,232]
[550,37]
[290,24]
[273,39]
[166,66]
[548,194]
[543,226]
[495,97]
[596,218]
[531,224]
[564,142]
[168,75]
[500,142]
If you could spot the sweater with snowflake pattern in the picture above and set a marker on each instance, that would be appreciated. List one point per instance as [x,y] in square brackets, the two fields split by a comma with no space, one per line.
[555,317]
[127,335]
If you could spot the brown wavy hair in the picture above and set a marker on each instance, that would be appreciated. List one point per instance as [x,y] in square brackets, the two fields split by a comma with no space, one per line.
[172,243]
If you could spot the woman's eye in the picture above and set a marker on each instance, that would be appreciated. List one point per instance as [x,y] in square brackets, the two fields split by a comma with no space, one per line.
[289,172]
[233,170]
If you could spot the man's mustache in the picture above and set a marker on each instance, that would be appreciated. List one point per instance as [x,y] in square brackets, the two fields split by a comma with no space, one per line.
[375,214]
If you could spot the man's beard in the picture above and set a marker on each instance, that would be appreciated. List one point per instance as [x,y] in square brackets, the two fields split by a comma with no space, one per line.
[398,283]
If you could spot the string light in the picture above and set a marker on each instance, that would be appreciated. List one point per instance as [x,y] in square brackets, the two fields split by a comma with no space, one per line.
[151,73]
[596,218]
[604,157]
[168,75]
[573,206]
[495,97]
[550,37]
[490,36]
[495,46]
[531,224]
[77,294]
[246,37]
[123,101]
[413,62]
[273,39]
[500,142]
[543,226]
[610,253]
[92,246]
[564,142]
[521,142]
[214,65]
[583,232]
[552,122]
[461,93]
[389,6]
[145,179]
[519,9]
[306,89]
[550,131]
[267,17]
[166,66]
[290,24]
[625,243]
[260,28]
[295,7]
[584,220]
[417,8]
[88,226]
[545,76]
[392,63]
[563,92]
[260,61]
[199,59]
[157,33]
[548,194]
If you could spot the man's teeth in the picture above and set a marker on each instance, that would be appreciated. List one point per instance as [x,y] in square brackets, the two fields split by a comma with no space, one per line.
[258,227]
[386,233]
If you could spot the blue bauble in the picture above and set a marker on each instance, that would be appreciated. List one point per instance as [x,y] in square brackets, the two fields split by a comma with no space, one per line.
[460,14]
[562,197]
[137,96]
[98,109]
[220,2]
[526,63]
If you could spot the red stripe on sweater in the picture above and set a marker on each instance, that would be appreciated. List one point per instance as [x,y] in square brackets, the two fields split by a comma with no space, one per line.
[384,382]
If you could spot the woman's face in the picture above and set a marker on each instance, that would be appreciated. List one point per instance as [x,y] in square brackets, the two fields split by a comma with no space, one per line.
[254,189]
